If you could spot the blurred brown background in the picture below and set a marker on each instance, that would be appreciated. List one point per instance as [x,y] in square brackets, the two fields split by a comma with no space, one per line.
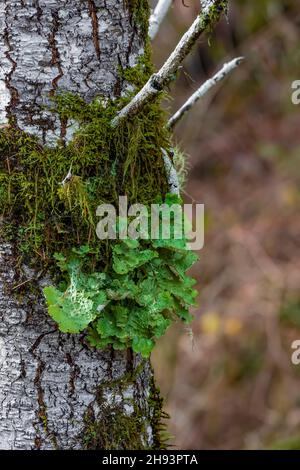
[229,383]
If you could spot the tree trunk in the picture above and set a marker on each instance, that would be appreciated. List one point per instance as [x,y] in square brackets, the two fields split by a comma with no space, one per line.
[56,393]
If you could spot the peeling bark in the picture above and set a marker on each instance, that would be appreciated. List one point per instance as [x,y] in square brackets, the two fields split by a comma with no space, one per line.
[49,381]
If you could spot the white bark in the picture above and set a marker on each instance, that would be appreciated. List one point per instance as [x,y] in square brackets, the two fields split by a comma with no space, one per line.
[67,45]
[49,380]
[158,16]
[174,186]
[203,90]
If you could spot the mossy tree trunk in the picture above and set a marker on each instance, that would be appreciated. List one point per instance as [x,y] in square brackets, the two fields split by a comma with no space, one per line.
[56,393]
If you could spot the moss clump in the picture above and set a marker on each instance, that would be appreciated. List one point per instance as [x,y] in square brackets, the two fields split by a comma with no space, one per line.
[46,217]
[43,216]
[114,431]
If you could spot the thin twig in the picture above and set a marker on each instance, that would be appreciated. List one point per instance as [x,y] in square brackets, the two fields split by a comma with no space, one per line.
[68,177]
[207,86]
[158,16]
[22,284]
[165,75]
[172,176]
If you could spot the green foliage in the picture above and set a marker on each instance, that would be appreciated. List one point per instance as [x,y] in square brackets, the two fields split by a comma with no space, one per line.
[133,302]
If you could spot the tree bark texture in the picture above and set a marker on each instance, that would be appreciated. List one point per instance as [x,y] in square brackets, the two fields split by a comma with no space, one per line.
[55,392]
[66,45]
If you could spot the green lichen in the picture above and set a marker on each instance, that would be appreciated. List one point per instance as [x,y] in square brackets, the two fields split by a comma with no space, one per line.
[132,302]
[45,217]
[180,164]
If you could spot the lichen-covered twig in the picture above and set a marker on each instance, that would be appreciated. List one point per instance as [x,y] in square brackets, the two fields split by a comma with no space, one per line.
[158,16]
[207,4]
[204,88]
[174,187]
[158,81]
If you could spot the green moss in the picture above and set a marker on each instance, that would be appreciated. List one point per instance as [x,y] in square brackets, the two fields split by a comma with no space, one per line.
[161,436]
[118,430]
[42,216]
[140,12]
[144,68]
[46,217]
[215,11]
[114,431]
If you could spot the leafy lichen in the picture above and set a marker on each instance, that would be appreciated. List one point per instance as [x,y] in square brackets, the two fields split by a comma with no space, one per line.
[132,303]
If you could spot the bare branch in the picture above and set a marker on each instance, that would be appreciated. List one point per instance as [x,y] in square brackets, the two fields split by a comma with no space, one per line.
[158,16]
[207,86]
[172,176]
[165,75]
